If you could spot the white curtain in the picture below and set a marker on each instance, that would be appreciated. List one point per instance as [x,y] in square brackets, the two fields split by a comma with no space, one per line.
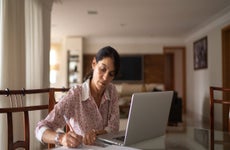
[37,16]
[38,13]
[12,44]
[24,52]
[12,56]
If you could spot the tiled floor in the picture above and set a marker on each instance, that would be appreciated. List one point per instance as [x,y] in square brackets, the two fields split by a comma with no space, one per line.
[191,120]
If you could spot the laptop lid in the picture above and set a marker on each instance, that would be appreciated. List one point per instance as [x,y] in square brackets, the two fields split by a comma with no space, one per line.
[148,117]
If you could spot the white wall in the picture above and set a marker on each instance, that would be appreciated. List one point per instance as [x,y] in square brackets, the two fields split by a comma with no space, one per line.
[199,81]
[131,45]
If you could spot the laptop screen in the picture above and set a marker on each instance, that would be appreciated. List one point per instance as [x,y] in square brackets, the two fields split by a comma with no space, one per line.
[148,116]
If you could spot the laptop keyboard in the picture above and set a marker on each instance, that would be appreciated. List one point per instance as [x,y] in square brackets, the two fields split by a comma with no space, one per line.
[120,138]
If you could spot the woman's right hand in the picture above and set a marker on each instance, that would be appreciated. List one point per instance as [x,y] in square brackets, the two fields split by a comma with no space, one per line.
[71,139]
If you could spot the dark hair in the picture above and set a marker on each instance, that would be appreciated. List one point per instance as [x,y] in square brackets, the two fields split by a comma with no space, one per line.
[104,52]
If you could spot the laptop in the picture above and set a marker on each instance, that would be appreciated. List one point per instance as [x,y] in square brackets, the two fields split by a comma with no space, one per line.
[148,118]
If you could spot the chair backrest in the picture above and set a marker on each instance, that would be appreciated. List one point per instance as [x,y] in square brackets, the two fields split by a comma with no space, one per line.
[219,95]
[52,94]
[17,100]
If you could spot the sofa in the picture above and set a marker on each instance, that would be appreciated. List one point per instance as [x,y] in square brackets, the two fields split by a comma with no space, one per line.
[125,91]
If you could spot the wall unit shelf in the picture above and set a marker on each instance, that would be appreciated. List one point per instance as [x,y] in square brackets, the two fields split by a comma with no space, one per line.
[72,68]
[74,61]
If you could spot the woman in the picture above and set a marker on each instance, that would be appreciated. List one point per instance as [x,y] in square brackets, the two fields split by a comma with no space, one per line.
[91,108]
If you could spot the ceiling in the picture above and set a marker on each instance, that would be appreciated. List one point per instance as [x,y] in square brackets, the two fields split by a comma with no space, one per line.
[132,18]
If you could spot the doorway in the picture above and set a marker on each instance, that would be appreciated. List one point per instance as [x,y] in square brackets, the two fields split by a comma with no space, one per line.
[179,73]
[226,70]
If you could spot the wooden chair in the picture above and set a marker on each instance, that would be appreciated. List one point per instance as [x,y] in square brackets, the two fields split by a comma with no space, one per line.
[224,93]
[53,97]
[17,100]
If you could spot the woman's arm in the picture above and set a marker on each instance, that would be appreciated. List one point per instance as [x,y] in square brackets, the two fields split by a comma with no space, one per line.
[114,113]
[49,136]
[45,130]
[69,139]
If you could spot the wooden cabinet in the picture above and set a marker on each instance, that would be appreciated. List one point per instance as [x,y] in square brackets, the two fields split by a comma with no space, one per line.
[153,67]
[87,64]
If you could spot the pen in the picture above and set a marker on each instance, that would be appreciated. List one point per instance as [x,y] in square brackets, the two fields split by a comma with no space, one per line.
[69,125]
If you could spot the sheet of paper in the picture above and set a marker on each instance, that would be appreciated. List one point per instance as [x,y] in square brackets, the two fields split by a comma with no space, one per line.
[88,147]
[114,147]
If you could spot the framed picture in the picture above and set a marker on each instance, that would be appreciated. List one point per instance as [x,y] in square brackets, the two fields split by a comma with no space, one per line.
[201,53]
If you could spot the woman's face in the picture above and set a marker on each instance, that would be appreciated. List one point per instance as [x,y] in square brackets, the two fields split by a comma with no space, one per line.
[104,72]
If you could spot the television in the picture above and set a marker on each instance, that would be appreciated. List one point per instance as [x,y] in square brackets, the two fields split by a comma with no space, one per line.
[131,69]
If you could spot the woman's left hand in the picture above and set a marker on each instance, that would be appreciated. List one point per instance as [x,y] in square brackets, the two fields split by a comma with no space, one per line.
[90,137]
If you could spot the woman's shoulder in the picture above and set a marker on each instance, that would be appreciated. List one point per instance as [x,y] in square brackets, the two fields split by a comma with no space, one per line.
[75,89]
[73,94]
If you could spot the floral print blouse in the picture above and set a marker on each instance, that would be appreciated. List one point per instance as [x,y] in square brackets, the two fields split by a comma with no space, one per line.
[79,107]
